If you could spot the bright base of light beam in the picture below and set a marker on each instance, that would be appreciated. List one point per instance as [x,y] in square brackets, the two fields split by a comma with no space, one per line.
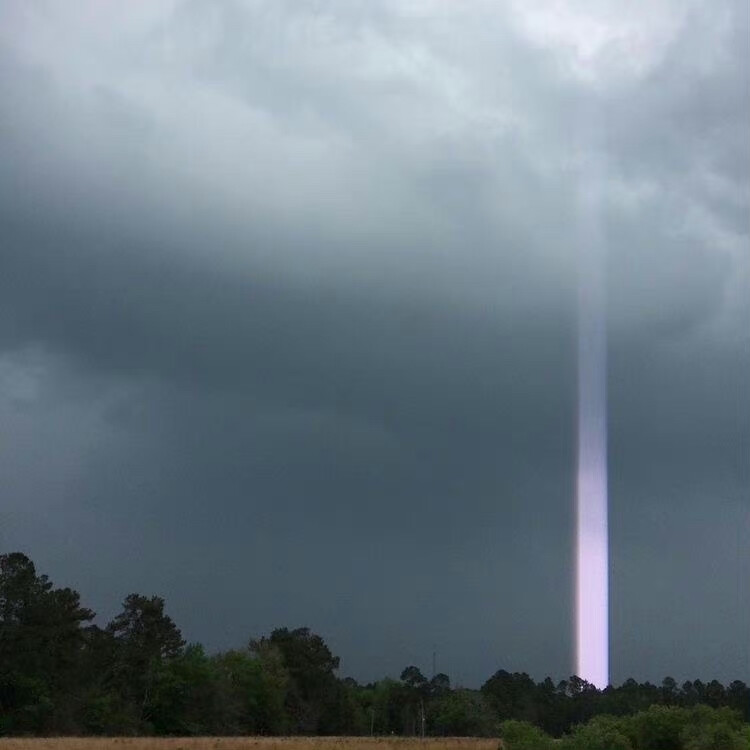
[592,581]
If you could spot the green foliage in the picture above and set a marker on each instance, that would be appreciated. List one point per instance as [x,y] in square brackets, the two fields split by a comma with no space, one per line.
[462,713]
[658,728]
[521,735]
[697,728]
[144,639]
[512,695]
[715,737]
[107,713]
[601,733]
[59,674]
[311,689]
[413,678]
[250,693]
[388,706]
[40,642]
[678,728]
[181,693]
[714,729]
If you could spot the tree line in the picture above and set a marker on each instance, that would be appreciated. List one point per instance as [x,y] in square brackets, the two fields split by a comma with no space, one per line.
[62,674]
[659,727]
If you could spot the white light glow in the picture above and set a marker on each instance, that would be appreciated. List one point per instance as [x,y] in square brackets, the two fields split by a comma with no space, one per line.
[592,542]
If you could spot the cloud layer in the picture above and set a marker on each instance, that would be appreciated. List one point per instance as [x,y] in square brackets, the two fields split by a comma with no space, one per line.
[287,319]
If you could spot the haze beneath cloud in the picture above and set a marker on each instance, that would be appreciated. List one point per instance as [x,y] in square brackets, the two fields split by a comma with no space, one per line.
[287,320]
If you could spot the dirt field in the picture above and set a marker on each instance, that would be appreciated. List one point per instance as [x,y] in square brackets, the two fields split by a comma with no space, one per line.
[248,743]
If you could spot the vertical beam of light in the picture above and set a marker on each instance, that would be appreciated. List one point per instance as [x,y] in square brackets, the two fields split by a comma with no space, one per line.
[592,536]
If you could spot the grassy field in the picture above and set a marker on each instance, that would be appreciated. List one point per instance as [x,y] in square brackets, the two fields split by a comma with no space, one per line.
[247,743]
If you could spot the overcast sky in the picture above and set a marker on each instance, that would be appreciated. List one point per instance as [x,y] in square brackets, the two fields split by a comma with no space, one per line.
[288,320]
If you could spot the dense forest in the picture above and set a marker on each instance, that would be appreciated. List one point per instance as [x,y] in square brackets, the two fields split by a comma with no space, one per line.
[61,674]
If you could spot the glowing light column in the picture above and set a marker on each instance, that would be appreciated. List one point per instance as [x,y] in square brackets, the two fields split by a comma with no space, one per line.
[592,536]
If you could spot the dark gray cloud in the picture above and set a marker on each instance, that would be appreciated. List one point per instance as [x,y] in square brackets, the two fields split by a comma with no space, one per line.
[287,321]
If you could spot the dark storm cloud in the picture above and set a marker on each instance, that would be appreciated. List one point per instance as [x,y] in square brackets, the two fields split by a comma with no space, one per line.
[287,320]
